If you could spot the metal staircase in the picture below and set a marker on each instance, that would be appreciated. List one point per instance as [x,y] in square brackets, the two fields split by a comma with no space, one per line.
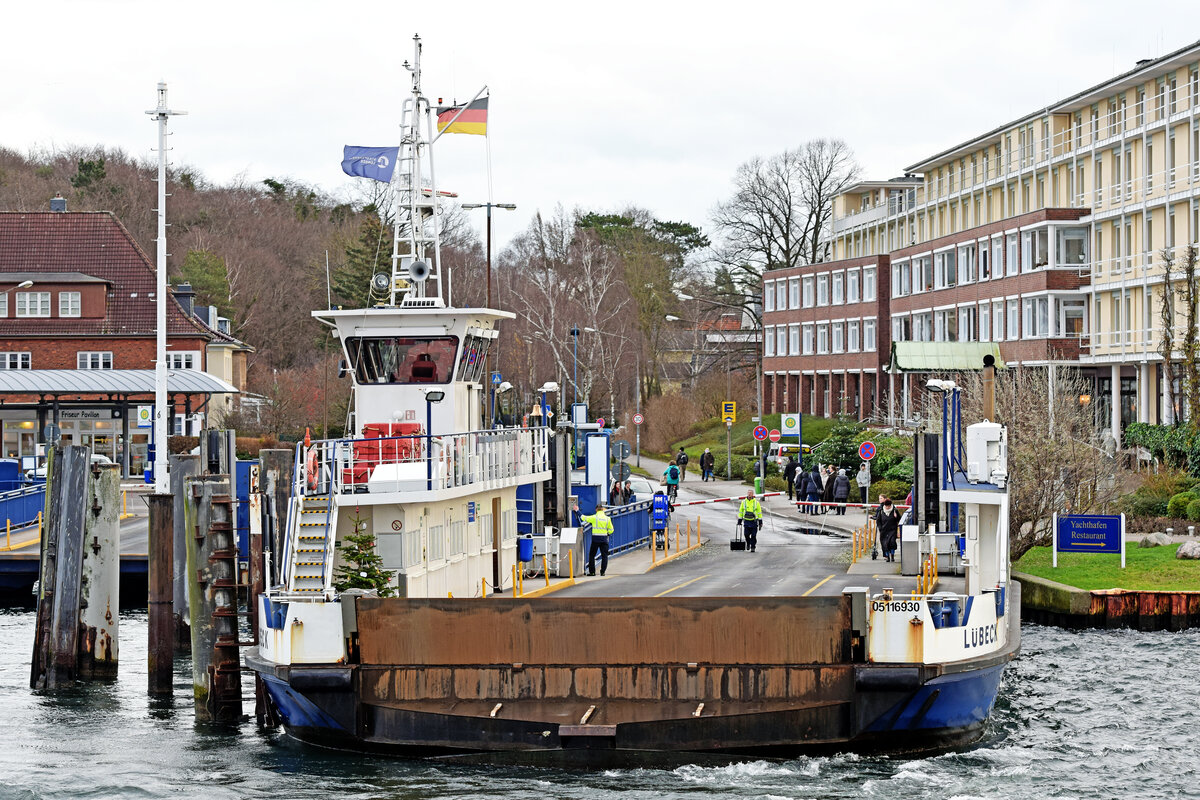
[311,543]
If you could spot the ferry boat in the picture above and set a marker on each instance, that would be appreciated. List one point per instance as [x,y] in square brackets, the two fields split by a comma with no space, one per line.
[457,666]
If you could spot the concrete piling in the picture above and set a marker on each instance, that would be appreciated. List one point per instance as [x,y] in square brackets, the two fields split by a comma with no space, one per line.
[101,582]
[160,601]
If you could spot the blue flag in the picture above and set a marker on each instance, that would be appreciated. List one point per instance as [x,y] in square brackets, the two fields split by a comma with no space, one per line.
[376,163]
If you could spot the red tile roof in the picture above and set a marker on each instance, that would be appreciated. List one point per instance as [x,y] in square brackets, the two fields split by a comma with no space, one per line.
[96,244]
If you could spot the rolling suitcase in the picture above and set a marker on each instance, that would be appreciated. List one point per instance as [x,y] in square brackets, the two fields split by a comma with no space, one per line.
[737,542]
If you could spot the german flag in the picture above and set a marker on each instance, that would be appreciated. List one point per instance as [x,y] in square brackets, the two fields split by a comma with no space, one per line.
[473,118]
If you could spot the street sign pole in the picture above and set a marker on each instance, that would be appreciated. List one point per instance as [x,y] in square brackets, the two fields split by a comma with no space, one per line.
[728,451]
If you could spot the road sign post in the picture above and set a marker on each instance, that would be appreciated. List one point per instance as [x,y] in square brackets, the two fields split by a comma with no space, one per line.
[774,435]
[866,450]
[729,411]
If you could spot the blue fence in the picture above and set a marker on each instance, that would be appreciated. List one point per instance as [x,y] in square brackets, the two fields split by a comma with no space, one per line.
[21,507]
[631,528]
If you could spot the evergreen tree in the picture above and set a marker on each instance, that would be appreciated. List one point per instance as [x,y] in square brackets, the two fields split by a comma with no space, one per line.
[209,277]
[362,567]
[369,253]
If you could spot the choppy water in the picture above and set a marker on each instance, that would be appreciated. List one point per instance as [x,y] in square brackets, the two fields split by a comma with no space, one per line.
[1081,715]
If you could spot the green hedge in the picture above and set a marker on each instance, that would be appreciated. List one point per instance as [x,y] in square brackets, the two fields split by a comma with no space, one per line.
[1177,505]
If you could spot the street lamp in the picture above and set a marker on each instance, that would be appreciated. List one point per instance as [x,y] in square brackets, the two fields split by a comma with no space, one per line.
[431,397]
[575,390]
[637,387]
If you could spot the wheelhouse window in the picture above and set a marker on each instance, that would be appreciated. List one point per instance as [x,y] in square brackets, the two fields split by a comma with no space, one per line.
[399,359]
[474,358]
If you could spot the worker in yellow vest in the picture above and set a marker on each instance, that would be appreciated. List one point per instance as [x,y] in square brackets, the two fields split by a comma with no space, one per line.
[749,516]
[602,528]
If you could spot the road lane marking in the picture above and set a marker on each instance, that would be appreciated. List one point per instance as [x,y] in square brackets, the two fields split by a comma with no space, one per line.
[818,586]
[688,583]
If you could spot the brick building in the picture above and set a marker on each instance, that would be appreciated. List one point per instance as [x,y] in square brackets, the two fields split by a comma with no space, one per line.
[77,294]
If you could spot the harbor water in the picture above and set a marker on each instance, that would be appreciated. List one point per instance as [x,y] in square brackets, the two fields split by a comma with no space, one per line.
[1081,714]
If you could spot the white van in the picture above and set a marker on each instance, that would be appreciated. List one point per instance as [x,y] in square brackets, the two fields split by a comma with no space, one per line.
[778,452]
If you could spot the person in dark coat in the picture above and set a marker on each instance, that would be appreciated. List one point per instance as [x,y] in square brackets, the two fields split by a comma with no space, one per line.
[887,521]
[615,494]
[841,491]
[706,465]
[814,489]
[789,474]
[802,484]
[827,488]
[681,458]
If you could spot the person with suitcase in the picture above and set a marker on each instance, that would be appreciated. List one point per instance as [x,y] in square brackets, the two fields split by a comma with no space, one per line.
[749,516]
[660,517]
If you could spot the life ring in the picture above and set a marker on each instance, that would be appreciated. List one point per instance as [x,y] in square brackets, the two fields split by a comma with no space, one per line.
[311,468]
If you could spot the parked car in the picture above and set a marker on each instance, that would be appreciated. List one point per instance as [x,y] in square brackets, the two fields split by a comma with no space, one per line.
[39,472]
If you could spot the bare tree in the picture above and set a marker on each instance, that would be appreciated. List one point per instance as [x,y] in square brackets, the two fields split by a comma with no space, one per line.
[1191,337]
[1060,468]
[1166,346]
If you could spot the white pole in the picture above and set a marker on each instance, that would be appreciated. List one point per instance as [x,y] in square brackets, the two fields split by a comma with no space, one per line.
[161,114]
[1054,541]
[1122,541]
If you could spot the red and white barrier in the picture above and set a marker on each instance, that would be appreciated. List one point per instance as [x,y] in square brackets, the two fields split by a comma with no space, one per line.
[723,499]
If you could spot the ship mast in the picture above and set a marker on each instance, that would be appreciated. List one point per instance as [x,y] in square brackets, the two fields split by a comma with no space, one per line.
[416,247]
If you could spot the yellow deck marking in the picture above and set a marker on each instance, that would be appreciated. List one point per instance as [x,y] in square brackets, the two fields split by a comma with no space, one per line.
[688,583]
[818,586]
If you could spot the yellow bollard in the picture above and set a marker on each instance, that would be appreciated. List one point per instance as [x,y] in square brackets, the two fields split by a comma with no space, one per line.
[39,526]
[689,524]
[483,587]
[449,594]
[520,583]
[654,548]
[546,570]
[514,581]
[571,563]
[8,535]
[124,504]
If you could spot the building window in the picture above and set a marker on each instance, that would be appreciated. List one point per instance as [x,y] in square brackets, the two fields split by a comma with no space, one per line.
[1013,254]
[4,305]
[923,327]
[985,322]
[15,361]
[808,339]
[794,340]
[781,340]
[822,338]
[839,345]
[185,359]
[808,292]
[822,290]
[868,335]
[768,341]
[839,296]
[998,321]
[869,286]
[794,293]
[33,304]
[852,286]
[68,304]
[852,336]
[1014,321]
[93,360]
[769,296]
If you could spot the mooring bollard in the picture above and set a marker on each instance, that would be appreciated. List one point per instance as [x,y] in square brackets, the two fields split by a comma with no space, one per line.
[160,602]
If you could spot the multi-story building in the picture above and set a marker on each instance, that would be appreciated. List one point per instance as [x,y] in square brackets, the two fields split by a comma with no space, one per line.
[78,340]
[1045,236]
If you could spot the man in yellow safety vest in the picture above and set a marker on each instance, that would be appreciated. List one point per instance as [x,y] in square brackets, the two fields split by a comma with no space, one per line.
[602,528]
[749,516]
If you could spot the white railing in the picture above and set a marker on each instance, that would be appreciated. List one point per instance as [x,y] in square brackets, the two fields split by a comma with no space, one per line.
[419,462]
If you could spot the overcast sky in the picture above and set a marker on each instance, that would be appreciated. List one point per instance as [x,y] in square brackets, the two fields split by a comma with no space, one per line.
[596,105]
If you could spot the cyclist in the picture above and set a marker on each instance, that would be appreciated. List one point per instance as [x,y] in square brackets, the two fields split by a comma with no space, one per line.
[671,476]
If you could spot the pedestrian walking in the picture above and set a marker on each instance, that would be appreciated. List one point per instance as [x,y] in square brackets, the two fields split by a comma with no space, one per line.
[681,458]
[749,515]
[863,479]
[627,495]
[602,528]
[706,465]
[615,497]
[841,491]
[789,475]
[887,521]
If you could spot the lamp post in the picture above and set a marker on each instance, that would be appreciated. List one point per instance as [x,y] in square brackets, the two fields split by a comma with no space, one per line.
[489,206]
[575,390]
[431,397]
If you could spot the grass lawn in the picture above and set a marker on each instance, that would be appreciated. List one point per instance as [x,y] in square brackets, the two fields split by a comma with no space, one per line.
[712,435]
[1151,568]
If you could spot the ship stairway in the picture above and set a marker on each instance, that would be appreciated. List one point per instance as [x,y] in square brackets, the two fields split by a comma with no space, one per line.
[311,546]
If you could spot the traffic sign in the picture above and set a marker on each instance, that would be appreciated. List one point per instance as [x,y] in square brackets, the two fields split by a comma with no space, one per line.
[600,422]
[790,424]
[774,436]
[760,433]
[495,379]
[622,471]
[638,419]
[866,451]
[620,450]
[729,411]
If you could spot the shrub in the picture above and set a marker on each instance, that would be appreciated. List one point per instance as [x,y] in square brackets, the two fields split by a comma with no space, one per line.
[739,466]
[1193,510]
[180,445]
[775,483]
[1139,504]
[896,490]
[901,471]
[1177,505]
